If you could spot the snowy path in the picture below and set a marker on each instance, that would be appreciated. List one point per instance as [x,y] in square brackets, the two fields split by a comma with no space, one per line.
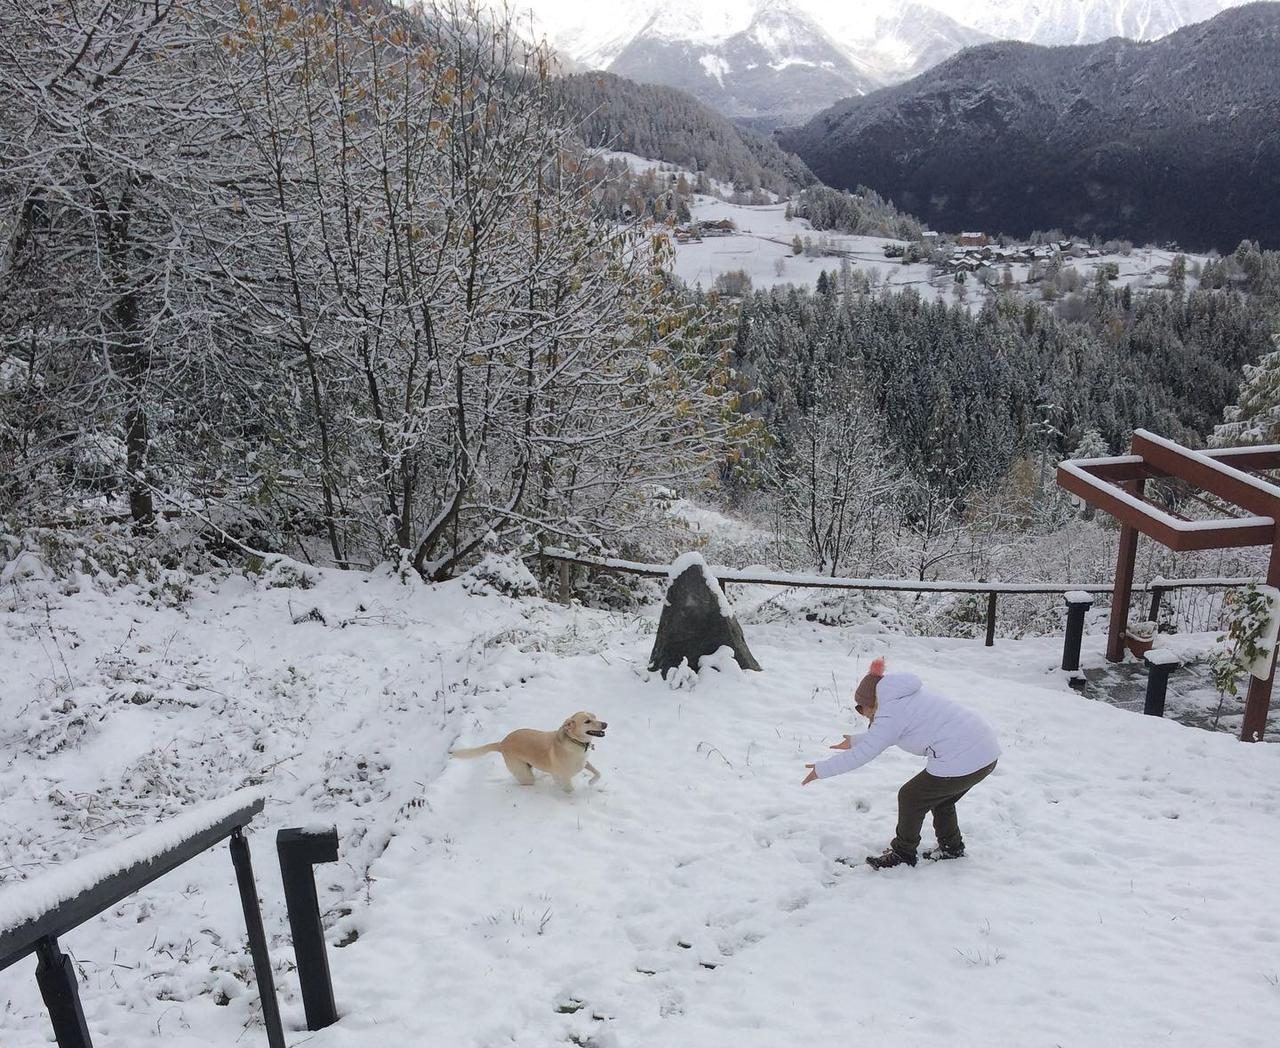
[692,897]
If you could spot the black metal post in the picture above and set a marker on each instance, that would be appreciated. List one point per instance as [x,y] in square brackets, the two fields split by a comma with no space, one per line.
[257,938]
[991,619]
[1077,605]
[1158,671]
[57,980]
[299,851]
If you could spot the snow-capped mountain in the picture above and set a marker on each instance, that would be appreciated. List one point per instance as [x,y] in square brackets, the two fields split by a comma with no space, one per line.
[1079,21]
[770,70]
[893,40]
[769,61]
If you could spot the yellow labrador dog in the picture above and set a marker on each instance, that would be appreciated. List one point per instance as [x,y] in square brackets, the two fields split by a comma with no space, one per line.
[562,754]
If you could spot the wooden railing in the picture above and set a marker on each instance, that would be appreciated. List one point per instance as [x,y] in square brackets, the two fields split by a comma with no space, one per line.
[566,561]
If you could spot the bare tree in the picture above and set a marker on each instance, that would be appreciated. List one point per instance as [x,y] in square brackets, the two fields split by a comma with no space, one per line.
[835,476]
[104,128]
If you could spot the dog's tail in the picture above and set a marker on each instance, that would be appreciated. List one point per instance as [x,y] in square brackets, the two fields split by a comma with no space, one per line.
[477,751]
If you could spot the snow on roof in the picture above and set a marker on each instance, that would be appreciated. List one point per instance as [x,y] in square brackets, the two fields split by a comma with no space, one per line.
[1155,513]
[30,900]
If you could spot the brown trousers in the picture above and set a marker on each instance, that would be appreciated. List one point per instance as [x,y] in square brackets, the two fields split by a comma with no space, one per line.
[933,793]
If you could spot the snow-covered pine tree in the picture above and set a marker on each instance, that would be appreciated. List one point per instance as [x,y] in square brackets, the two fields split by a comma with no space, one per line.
[1091,444]
[1255,418]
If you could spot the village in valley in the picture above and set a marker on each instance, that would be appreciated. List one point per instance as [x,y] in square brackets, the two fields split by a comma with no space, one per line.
[732,246]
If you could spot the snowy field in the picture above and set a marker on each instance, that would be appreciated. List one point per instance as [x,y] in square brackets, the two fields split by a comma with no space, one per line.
[692,897]
[762,248]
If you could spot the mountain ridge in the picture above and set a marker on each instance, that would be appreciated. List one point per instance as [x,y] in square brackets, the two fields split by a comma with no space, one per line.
[1173,139]
[715,51]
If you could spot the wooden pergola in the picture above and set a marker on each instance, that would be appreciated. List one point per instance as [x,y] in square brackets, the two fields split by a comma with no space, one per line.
[1232,475]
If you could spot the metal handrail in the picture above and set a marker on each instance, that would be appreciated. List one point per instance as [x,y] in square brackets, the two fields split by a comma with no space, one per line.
[47,906]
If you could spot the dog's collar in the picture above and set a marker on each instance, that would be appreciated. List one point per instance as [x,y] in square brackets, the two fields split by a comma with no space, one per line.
[584,745]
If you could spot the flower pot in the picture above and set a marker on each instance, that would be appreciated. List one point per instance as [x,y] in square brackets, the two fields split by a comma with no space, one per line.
[1138,645]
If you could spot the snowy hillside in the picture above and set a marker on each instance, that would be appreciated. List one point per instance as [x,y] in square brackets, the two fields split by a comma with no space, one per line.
[691,897]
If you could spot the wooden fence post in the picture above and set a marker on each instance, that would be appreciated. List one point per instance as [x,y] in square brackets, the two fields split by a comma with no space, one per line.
[1158,670]
[1076,609]
[1257,702]
[991,619]
[1157,592]
[565,573]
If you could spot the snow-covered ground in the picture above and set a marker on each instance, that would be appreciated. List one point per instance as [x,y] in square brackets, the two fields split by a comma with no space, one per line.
[762,247]
[1113,893]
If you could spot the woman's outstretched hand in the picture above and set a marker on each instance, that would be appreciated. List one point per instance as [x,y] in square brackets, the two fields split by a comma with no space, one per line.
[810,777]
[843,744]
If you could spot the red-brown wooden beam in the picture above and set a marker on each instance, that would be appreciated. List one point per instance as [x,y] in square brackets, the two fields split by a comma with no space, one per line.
[1159,525]
[1257,703]
[1117,468]
[1126,558]
[1214,475]
[1261,457]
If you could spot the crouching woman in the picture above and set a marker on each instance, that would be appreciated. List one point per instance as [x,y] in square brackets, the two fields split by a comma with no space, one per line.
[959,746]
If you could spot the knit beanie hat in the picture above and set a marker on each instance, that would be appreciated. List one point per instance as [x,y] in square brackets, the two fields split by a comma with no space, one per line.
[865,693]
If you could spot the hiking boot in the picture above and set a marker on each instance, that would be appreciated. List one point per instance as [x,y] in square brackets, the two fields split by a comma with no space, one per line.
[942,852]
[890,859]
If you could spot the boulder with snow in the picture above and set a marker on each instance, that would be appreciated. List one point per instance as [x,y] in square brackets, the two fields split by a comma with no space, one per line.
[696,620]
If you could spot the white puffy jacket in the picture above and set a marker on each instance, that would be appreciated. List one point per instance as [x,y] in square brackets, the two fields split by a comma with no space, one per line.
[955,740]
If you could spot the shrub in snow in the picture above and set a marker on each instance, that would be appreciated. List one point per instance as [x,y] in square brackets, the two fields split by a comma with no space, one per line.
[1247,642]
[107,556]
[26,565]
[682,676]
[503,574]
[283,573]
[618,591]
